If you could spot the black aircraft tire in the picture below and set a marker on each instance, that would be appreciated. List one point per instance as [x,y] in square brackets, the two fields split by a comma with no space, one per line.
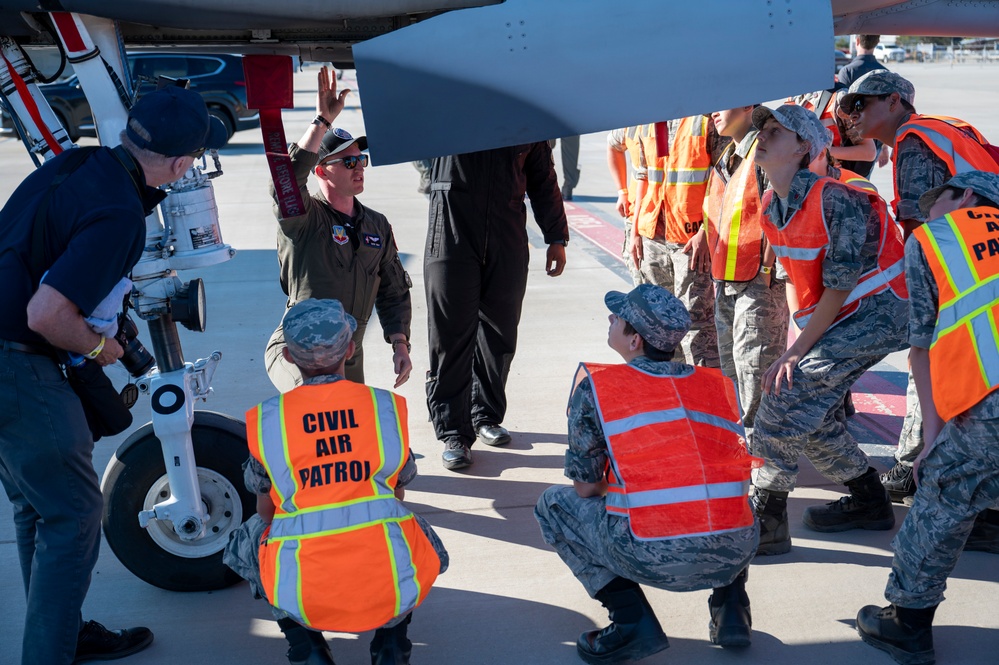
[136,480]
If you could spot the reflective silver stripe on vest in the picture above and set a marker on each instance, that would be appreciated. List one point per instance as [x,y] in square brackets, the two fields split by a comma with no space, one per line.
[679,495]
[387,422]
[275,452]
[286,591]
[877,280]
[655,175]
[798,253]
[621,425]
[960,165]
[687,176]
[352,515]
[699,126]
[959,270]
[402,559]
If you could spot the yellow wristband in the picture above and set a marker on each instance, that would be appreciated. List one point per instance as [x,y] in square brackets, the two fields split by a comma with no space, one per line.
[766,270]
[622,191]
[97,349]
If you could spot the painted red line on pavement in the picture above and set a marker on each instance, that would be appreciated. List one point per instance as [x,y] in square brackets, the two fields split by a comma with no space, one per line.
[601,233]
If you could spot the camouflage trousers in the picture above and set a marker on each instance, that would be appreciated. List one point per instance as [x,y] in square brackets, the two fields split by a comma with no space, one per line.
[958,479]
[598,547]
[667,266]
[629,263]
[806,418]
[241,555]
[751,319]
[910,440]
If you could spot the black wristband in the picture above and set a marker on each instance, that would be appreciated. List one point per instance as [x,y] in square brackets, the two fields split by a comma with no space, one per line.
[320,120]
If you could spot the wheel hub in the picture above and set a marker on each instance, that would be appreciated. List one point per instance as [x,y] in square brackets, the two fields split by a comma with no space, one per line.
[223,511]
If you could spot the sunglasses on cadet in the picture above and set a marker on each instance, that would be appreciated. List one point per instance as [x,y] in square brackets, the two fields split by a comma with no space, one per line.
[860,103]
[350,162]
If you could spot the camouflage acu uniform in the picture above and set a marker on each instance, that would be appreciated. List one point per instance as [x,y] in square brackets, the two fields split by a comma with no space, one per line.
[917,171]
[801,419]
[751,318]
[958,478]
[665,264]
[615,139]
[598,546]
[241,553]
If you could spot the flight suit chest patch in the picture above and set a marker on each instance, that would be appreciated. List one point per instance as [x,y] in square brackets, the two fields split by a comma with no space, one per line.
[371,240]
[340,235]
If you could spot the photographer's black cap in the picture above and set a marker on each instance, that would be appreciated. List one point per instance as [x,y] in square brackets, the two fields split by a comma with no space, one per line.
[174,121]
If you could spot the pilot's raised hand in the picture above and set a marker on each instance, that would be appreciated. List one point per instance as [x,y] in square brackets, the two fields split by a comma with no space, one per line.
[329,102]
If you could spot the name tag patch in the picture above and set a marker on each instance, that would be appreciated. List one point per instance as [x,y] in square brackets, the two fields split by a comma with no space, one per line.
[372,240]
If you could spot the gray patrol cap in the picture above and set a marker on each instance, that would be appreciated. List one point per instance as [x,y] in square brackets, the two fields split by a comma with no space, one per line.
[655,313]
[879,82]
[983,183]
[799,120]
[317,333]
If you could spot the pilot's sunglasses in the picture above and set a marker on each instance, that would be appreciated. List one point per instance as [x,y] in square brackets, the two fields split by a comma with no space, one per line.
[352,161]
[860,103]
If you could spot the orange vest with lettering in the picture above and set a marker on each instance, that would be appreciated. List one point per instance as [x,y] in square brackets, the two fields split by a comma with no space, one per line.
[962,250]
[686,171]
[954,141]
[732,215]
[801,247]
[677,462]
[342,553]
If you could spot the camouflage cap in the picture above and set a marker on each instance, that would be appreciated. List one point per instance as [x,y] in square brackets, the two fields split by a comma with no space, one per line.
[318,333]
[983,183]
[799,120]
[879,82]
[655,313]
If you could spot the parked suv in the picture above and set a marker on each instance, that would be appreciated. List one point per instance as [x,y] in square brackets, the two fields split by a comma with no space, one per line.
[886,54]
[218,78]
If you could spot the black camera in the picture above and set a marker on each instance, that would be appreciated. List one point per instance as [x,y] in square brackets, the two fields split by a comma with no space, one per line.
[136,359]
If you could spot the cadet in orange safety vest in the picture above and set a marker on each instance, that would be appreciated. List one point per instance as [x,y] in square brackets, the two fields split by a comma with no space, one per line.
[928,150]
[329,462]
[750,302]
[660,477]
[669,216]
[843,255]
[626,163]
[952,268]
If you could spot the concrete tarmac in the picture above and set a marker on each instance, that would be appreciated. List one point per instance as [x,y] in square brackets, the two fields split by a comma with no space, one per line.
[507,597]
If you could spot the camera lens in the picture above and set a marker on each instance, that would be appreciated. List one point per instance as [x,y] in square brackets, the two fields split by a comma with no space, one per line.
[136,359]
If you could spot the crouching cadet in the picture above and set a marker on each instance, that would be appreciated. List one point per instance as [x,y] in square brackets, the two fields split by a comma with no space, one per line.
[660,474]
[329,462]
[952,266]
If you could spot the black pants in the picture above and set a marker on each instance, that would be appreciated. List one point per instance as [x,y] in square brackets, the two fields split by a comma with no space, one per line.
[473,309]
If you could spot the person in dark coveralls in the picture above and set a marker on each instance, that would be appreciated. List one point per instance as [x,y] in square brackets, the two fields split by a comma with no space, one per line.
[660,484]
[951,265]
[475,270]
[94,232]
[339,248]
[308,523]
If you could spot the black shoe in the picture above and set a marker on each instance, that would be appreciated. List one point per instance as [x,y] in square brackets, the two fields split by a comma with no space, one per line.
[898,482]
[305,645]
[984,536]
[566,194]
[391,646]
[456,455]
[775,535]
[95,642]
[634,632]
[493,435]
[866,507]
[731,622]
[906,634]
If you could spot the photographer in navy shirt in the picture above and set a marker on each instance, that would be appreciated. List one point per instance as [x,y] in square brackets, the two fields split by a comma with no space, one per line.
[94,231]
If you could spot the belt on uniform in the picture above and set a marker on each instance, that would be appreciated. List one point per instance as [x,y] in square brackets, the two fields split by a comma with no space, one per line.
[33,349]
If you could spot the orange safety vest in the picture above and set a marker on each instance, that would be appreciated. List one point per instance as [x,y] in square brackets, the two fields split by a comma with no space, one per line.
[848,177]
[962,250]
[801,247]
[632,144]
[651,204]
[957,143]
[342,553]
[828,115]
[677,462]
[686,168]
[732,214]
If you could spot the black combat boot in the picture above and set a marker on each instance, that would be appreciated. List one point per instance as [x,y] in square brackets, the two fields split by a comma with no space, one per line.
[391,646]
[867,506]
[905,633]
[305,646]
[899,483]
[634,632]
[731,621]
[984,536]
[771,509]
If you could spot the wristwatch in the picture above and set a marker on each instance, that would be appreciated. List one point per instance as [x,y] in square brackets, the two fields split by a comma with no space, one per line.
[320,121]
